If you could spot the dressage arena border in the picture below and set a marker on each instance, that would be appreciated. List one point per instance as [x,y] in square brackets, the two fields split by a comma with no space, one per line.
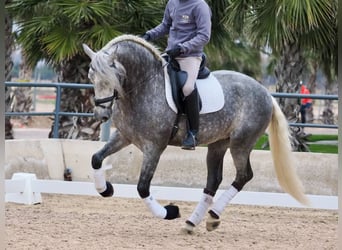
[181,175]
[27,189]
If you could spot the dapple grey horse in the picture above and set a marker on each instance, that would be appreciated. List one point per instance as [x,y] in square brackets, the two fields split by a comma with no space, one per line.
[128,76]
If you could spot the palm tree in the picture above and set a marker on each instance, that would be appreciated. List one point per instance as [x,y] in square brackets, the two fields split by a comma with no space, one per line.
[228,49]
[55,30]
[290,28]
[9,43]
[22,101]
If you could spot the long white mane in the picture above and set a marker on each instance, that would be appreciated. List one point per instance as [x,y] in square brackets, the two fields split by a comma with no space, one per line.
[105,66]
[154,50]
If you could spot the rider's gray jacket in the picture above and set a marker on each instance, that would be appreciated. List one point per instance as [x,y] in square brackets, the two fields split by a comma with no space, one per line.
[188,24]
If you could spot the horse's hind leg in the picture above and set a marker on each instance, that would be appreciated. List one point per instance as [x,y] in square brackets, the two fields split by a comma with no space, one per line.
[244,174]
[215,156]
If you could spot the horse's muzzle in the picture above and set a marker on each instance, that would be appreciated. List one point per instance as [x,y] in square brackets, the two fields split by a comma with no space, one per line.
[102,114]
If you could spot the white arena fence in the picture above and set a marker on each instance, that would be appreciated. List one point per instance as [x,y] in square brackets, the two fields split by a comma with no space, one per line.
[25,188]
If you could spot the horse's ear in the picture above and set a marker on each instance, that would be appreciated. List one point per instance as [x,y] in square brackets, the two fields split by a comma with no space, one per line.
[88,51]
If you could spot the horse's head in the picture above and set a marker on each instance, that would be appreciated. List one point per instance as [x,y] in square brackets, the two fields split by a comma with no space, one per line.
[116,70]
[107,75]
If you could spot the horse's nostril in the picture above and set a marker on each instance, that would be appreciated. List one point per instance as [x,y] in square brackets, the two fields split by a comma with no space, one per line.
[102,115]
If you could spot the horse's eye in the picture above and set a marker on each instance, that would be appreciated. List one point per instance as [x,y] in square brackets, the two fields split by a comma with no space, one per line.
[104,84]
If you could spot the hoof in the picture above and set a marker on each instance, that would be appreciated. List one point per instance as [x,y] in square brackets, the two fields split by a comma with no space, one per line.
[212,223]
[172,212]
[109,190]
[188,228]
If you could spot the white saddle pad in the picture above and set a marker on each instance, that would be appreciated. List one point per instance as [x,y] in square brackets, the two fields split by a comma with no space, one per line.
[209,89]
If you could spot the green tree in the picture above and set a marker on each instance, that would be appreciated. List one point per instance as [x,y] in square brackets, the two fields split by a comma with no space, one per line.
[55,30]
[22,97]
[290,28]
[227,48]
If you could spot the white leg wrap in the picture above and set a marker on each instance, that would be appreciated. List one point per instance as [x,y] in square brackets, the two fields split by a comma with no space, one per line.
[157,210]
[224,200]
[201,209]
[100,178]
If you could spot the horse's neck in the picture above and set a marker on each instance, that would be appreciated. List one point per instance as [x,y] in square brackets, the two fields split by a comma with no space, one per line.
[147,83]
[143,77]
[142,68]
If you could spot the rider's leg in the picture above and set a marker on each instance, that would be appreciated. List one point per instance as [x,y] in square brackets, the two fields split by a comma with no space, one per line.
[191,101]
[191,107]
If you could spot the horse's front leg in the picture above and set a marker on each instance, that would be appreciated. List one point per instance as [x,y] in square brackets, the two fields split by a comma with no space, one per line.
[115,143]
[150,161]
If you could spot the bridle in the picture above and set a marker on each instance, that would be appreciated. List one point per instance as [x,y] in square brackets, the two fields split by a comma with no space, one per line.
[100,101]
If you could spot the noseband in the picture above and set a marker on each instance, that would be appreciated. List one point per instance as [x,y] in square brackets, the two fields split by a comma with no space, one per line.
[100,101]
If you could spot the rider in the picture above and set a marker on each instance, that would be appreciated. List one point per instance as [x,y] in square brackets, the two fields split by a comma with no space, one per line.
[188,24]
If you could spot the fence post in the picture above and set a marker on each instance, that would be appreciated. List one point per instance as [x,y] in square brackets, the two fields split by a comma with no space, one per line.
[105,130]
[57,110]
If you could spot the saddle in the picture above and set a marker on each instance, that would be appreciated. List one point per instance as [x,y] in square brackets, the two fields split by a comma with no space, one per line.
[179,77]
[177,80]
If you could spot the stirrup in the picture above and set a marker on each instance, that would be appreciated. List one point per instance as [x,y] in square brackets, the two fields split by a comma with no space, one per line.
[190,141]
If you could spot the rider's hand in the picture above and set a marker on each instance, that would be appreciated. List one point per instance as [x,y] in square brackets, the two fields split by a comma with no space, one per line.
[174,52]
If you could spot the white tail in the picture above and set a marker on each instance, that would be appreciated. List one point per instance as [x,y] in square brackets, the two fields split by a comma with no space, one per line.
[279,139]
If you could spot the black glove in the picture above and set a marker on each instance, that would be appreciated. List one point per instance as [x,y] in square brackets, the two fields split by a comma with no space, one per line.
[146,36]
[174,52]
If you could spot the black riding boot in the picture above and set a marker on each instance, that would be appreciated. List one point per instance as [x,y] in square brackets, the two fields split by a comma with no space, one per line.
[191,108]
